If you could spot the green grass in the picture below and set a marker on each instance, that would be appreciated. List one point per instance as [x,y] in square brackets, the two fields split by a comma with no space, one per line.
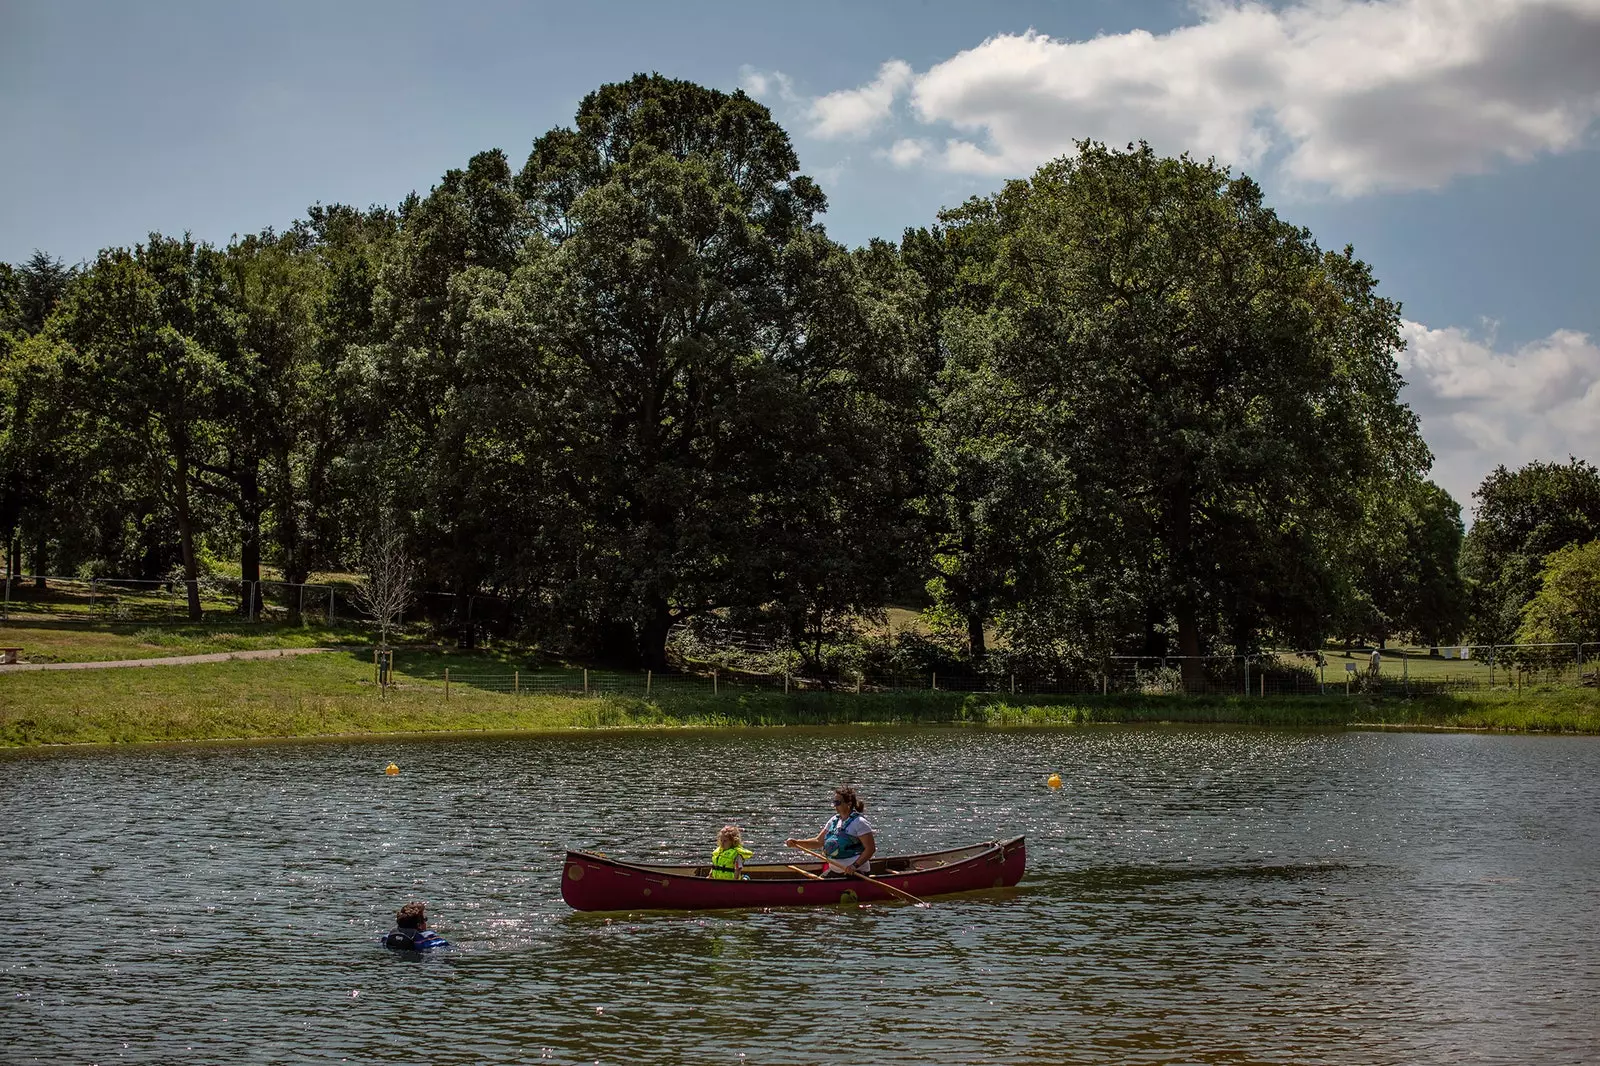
[333,694]
[69,642]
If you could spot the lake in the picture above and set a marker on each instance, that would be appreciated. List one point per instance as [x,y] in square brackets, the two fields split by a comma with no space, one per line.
[1193,895]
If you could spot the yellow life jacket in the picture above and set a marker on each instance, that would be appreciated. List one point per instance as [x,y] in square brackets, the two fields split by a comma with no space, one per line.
[723,860]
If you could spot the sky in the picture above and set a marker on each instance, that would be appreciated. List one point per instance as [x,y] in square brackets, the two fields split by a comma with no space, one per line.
[1454,143]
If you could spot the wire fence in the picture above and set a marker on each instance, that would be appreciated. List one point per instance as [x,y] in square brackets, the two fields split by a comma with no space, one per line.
[1511,667]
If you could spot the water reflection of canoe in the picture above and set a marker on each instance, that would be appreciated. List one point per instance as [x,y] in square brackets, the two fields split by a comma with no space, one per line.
[591,881]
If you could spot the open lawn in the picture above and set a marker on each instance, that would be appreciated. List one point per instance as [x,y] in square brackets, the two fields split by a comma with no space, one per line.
[334,694]
[44,641]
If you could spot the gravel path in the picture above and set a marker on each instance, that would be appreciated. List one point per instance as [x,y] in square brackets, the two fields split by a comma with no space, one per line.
[172,660]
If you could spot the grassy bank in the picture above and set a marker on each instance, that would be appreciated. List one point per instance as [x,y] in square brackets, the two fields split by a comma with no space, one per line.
[333,694]
[73,642]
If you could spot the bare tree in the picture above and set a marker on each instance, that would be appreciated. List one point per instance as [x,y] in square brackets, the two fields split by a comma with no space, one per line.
[390,572]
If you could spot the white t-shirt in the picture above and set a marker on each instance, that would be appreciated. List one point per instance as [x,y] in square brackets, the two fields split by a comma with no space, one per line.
[857,826]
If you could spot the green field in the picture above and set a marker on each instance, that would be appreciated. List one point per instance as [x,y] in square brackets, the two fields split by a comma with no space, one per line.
[45,641]
[334,694]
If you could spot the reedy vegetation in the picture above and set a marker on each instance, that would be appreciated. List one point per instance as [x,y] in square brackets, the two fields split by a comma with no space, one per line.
[1119,406]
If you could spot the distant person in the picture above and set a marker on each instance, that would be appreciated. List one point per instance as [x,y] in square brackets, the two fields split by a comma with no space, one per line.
[1375,664]
[727,862]
[846,838]
[411,932]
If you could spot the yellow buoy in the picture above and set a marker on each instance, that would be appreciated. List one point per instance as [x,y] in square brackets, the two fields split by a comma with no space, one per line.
[391,769]
[1054,780]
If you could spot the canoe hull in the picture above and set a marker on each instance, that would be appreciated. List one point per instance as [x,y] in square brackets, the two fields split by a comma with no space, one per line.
[594,882]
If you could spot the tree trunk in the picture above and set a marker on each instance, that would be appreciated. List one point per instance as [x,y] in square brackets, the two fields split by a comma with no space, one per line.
[976,645]
[1179,523]
[466,628]
[191,568]
[653,635]
[250,540]
[1193,670]
[290,546]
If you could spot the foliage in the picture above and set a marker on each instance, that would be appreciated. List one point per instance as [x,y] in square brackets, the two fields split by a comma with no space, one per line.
[1197,400]
[1522,517]
[1566,609]
[1118,407]
[1404,575]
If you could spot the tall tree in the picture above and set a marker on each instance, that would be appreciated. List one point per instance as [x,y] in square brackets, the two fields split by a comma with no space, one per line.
[150,327]
[1522,516]
[1224,393]
[1403,570]
[28,296]
[1566,609]
[667,300]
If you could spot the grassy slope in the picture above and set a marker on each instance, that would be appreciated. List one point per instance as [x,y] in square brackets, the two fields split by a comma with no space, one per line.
[69,642]
[333,694]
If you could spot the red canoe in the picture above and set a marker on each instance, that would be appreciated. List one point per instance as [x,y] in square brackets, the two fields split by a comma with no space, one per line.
[592,882]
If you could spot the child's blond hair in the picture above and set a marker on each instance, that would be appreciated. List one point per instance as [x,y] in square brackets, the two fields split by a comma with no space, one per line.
[731,836]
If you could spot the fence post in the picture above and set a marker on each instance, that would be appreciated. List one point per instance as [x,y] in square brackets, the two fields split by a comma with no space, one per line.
[934,687]
[585,680]
[93,580]
[447,684]
[649,681]
[786,682]
[1105,683]
[858,684]
[1246,660]
[1405,673]
[516,682]
[330,605]
[1262,674]
[713,682]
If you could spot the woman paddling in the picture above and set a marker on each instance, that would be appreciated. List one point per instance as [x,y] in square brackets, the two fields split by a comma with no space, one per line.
[846,838]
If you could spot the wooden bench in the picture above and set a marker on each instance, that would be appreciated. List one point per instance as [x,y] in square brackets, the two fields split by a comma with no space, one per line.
[8,656]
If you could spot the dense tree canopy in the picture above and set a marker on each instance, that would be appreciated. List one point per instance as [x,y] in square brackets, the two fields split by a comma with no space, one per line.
[1522,517]
[1120,407]
[1203,399]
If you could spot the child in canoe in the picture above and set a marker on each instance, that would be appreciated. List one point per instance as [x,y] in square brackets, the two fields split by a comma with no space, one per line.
[727,862]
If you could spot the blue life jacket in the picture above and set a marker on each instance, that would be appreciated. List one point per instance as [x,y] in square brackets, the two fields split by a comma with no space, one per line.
[414,940]
[837,843]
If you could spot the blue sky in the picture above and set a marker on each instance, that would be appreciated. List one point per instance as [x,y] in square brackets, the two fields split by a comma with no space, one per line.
[1453,142]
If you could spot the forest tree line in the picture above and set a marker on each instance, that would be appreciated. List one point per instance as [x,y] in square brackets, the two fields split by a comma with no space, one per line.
[1117,407]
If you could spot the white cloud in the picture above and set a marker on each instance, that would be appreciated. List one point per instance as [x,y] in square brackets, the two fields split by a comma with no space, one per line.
[1481,407]
[906,152]
[1354,95]
[764,84]
[854,112]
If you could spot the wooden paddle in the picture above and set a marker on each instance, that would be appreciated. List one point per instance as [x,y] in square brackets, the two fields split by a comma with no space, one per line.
[805,873]
[853,872]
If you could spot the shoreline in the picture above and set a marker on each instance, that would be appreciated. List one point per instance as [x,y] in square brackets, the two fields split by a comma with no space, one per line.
[205,714]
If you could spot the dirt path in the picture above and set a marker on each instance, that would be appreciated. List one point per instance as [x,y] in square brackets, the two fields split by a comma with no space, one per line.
[171,660]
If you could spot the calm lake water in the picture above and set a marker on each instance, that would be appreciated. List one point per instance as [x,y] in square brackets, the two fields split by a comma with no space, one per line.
[1192,896]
